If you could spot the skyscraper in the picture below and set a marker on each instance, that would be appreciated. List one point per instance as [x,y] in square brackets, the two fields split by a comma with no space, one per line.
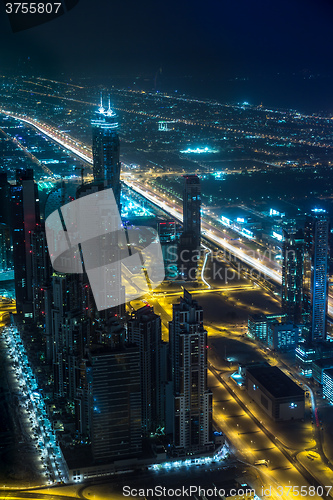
[315,284]
[144,329]
[69,333]
[191,208]
[24,220]
[192,400]
[113,376]
[292,275]
[106,148]
[189,242]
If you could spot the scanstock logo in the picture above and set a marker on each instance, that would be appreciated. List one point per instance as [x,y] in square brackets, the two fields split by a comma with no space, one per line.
[87,235]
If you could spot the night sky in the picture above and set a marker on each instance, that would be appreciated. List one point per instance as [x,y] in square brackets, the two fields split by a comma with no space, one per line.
[212,41]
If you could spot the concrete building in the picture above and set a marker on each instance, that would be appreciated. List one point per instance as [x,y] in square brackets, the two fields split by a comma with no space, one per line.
[275,393]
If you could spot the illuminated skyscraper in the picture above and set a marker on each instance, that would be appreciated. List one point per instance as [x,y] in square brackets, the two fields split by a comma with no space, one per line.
[292,275]
[315,284]
[144,329]
[191,208]
[105,148]
[24,220]
[192,400]
[189,242]
[113,376]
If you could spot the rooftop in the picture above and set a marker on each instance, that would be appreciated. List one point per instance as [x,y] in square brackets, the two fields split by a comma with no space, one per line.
[275,381]
[329,372]
[324,363]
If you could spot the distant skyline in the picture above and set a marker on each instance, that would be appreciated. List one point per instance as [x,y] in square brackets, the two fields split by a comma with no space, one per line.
[216,42]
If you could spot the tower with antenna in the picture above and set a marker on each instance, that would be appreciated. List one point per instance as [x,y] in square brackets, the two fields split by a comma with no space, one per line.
[106,148]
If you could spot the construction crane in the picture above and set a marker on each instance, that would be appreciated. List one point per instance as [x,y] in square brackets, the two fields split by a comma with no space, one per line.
[82,172]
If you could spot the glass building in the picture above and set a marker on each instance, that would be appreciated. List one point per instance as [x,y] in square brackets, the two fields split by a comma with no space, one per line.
[315,284]
[106,149]
[292,275]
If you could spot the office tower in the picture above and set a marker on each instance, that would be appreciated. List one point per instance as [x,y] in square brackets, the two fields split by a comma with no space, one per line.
[6,261]
[4,199]
[191,208]
[106,148]
[113,380]
[41,273]
[144,330]
[108,250]
[70,333]
[192,400]
[168,232]
[189,241]
[315,284]
[24,220]
[292,275]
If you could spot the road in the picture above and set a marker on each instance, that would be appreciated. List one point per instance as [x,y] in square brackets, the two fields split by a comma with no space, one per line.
[263,264]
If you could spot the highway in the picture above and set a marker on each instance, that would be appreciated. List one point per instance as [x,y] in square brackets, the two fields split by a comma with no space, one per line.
[287,467]
[262,264]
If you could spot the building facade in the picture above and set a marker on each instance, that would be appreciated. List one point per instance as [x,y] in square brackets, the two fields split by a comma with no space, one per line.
[113,376]
[315,284]
[144,330]
[275,393]
[106,149]
[282,336]
[292,276]
[192,400]
[24,221]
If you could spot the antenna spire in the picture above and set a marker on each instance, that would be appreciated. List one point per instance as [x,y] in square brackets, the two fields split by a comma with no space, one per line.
[101,108]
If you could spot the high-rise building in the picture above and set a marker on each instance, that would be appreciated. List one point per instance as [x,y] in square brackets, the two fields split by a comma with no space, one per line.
[328,385]
[113,376]
[169,233]
[70,333]
[24,221]
[292,276]
[144,329]
[41,273]
[108,245]
[6,261]
[191,208]
[192,400]
[315,283]
[4,199]
[189,241]
[106,149]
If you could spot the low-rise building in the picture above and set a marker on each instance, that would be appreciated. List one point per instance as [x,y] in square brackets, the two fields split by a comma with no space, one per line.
[275,393]
[281,336]
[318,367]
